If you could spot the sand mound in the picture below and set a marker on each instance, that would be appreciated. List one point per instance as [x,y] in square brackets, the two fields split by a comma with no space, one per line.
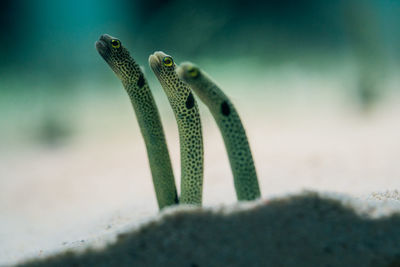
[309,229]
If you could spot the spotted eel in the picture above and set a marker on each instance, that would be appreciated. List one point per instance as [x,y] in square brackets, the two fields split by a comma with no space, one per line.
[233,133]
[189,126]
[135,84]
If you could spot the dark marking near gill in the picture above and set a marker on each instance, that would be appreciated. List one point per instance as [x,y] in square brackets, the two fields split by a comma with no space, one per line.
[140,82]
[225,109]
[176,198]
[190,101]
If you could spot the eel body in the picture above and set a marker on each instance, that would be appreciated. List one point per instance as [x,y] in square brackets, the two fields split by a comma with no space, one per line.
[230,125]
[189,126]
[135,84]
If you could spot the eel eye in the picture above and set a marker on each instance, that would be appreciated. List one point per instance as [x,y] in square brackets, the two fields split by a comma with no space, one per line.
[168,61]
[193,72]
[115,43]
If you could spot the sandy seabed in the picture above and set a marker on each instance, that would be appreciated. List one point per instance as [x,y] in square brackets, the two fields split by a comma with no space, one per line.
[95,187]
[309,229]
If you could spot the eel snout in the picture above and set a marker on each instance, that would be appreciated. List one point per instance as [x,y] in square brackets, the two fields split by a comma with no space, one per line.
[102,45]
[181,72]
[188,72]
[155,62]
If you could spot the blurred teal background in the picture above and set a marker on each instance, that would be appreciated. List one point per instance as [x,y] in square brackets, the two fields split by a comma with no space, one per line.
[48,61]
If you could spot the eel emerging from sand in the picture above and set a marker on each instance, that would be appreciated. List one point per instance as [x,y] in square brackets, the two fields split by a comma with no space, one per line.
[230,125]
[189,126]
[147,114]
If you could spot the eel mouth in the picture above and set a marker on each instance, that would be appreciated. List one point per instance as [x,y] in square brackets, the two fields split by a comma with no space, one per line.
[102,46]
[155,62]
[181,71]
[187,71]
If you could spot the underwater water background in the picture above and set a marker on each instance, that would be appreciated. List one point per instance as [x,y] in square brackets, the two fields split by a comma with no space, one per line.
[316,85]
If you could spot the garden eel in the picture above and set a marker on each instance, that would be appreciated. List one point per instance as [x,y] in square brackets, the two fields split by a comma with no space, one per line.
[147,114]
[189,126]
[233,133]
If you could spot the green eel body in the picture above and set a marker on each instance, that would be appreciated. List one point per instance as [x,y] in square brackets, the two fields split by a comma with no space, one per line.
[233,133]
[147,114]
[189,126]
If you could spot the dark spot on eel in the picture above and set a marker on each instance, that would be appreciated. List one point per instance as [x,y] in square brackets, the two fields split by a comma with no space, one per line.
[190,101]
[176,198]
[225,109]
[140,82]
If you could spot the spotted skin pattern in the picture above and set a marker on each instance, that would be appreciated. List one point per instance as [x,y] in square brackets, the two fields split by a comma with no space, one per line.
[230,125]
[147,114]
[189,126]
